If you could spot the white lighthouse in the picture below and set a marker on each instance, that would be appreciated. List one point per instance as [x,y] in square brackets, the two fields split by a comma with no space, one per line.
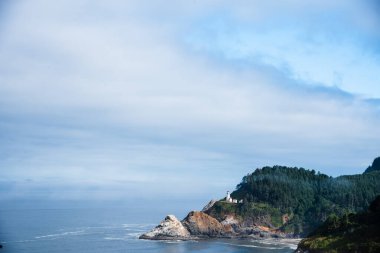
[228,197]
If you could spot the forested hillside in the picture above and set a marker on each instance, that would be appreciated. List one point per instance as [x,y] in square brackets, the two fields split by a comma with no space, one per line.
[350,233]
[305,197]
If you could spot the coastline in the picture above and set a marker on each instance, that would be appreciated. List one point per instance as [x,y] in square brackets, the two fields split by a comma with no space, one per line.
[198,225]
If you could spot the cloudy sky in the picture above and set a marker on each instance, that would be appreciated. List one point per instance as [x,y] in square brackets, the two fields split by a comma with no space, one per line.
[180,99]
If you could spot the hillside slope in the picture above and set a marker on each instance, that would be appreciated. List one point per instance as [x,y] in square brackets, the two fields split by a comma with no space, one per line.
[296,200]
[351,233]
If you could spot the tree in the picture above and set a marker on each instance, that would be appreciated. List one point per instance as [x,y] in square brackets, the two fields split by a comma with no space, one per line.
[375,205]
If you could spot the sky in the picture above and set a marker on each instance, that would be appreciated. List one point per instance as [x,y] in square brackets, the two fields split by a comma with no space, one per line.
[172,100]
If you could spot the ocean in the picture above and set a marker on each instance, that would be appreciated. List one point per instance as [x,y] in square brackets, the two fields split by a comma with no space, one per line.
[82,230]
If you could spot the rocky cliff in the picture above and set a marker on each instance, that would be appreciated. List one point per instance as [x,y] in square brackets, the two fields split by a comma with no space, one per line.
[203,225]
[200,225]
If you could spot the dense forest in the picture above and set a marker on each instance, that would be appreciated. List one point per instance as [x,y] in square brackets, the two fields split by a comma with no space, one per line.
[306,197]
[350,233]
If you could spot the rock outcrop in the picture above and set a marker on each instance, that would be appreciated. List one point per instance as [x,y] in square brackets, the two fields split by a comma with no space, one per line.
[230,220]
[170,228]
[209,205]
[203,225]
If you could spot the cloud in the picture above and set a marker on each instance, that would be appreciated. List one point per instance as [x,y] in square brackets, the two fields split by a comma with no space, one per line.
[99,100]
[334,48]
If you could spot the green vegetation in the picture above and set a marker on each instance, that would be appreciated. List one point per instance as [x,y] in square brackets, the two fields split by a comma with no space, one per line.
[305,196]
[258,213]
[220,209]
[350,233]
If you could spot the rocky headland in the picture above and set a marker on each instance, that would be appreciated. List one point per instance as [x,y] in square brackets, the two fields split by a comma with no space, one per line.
[200,225]
[281,202]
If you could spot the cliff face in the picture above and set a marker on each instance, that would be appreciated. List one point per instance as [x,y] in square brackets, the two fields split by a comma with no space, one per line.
[261,215]
[202,224]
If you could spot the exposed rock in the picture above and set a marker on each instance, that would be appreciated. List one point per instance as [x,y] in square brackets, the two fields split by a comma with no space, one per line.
[209,205]
[230,220]
[200,225]
[262,220]
[170,228]
[231,224]
[203,225]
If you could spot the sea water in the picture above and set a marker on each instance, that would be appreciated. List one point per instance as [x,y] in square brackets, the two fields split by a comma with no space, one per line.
[105,230]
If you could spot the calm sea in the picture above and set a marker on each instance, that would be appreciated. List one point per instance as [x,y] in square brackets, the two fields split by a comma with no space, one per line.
[103,230]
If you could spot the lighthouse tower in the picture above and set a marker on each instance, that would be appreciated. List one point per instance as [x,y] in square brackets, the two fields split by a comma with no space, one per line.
[228,197]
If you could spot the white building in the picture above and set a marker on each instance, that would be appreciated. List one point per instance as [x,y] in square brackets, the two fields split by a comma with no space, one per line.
[231,200]
[228,197]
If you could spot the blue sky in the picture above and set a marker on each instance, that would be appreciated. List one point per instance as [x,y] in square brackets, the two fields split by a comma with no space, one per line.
[102,100]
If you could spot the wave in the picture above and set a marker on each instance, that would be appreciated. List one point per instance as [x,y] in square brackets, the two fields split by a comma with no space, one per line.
[288,243]
[173,241]
[19,241]
[128,236]
[134,235]
[254,246]
[79,232]
[115,238]
[110,232]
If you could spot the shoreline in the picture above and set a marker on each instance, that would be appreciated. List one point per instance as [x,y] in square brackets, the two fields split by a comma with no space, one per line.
[246,241]
[208,238]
